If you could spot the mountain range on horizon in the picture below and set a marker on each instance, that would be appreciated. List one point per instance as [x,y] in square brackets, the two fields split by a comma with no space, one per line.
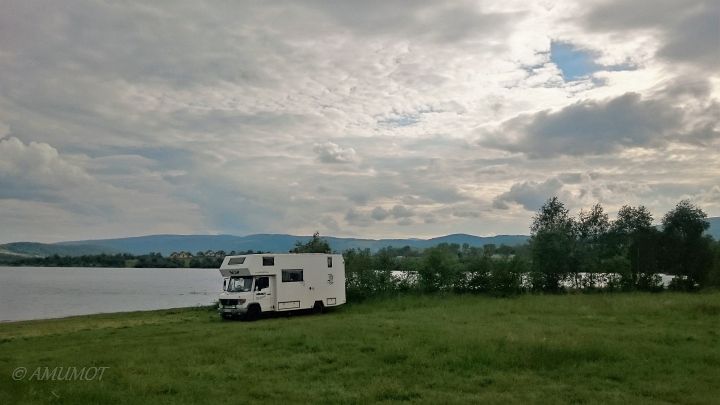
[166,244]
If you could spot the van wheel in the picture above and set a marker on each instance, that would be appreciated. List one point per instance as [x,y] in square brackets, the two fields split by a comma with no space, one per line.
[318,308]
[253,312]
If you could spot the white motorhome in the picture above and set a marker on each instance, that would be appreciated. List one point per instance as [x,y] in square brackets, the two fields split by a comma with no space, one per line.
[281,282]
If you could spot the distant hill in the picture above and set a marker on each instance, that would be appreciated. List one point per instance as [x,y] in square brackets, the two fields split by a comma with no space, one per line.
[167,244]
[33,249]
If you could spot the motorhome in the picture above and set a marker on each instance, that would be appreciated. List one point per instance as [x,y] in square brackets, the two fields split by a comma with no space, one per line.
[257,283]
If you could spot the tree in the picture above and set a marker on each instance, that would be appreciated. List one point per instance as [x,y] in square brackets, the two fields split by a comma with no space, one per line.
[505,250]
[384,263]
[553,243]
[479,273]
[713,278]
[592,233]
[440,269]
[552,217]
[632,219]
[686,252]
[593,225]
[633,237]
[506,276]
[360,277]
[314,245]
[489,249]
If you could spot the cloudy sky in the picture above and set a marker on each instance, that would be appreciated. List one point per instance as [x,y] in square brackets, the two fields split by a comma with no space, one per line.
[390,118]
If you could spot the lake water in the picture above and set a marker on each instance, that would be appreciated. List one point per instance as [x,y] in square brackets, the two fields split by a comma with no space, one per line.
[53,292]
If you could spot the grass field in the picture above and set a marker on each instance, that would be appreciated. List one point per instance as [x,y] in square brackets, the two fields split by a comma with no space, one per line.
[619,348]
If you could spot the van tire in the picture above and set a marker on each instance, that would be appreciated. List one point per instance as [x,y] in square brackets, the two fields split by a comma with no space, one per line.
[253,312]
[318,308]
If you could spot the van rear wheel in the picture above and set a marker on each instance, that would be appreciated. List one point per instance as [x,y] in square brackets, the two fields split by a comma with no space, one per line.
[318,308]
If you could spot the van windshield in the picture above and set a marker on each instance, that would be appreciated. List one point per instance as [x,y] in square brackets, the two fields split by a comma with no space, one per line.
[240,284]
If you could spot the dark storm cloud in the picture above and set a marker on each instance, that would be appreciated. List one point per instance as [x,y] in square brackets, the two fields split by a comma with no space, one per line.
[530,194]
[590,127]
[437,21]
[690,30]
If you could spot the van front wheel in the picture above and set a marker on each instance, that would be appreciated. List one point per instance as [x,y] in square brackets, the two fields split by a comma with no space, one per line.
[253,312]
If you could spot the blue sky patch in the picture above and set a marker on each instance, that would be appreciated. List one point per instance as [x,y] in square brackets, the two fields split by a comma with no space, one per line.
[401,121]
[573,62]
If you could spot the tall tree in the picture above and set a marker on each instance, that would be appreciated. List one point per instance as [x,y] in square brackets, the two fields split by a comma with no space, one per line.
[632,219]
[592,229]
[634,237]
[594,224]
[686,252]
[553,245]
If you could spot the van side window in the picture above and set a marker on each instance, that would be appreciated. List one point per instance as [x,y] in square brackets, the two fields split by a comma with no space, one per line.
[236,260]
[329,261]
[290,276]
[262,283]
[268,261]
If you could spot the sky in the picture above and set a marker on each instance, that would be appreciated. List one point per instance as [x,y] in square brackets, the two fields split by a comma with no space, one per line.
[392,118]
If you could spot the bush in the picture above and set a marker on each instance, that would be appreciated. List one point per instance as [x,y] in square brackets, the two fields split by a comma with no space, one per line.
[440,269]
[506,277]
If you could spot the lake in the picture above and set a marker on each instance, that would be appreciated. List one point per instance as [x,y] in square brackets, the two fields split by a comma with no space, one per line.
[53,292]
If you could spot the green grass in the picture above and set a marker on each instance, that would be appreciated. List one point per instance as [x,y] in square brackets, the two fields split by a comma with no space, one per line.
[618,348]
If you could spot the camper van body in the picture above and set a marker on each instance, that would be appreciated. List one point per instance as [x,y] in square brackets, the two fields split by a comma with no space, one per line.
[281,282]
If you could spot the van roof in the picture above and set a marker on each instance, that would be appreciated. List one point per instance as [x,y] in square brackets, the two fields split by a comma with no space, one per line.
[287,254]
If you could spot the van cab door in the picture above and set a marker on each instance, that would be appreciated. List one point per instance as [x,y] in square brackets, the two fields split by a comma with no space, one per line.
[264,294]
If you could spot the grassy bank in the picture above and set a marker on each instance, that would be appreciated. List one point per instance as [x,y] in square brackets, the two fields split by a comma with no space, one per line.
[619,348]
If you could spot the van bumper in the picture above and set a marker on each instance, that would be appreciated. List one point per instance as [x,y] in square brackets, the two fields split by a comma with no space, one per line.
[231,310]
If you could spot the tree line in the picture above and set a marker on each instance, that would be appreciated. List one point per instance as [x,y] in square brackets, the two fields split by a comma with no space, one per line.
[589,252]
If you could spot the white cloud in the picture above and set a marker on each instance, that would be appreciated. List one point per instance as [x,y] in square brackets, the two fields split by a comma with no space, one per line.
[329,152]
[347,117]
[36,171]
[56,194]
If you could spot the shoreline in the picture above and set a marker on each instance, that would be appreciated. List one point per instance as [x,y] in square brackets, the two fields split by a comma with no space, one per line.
[105,314]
